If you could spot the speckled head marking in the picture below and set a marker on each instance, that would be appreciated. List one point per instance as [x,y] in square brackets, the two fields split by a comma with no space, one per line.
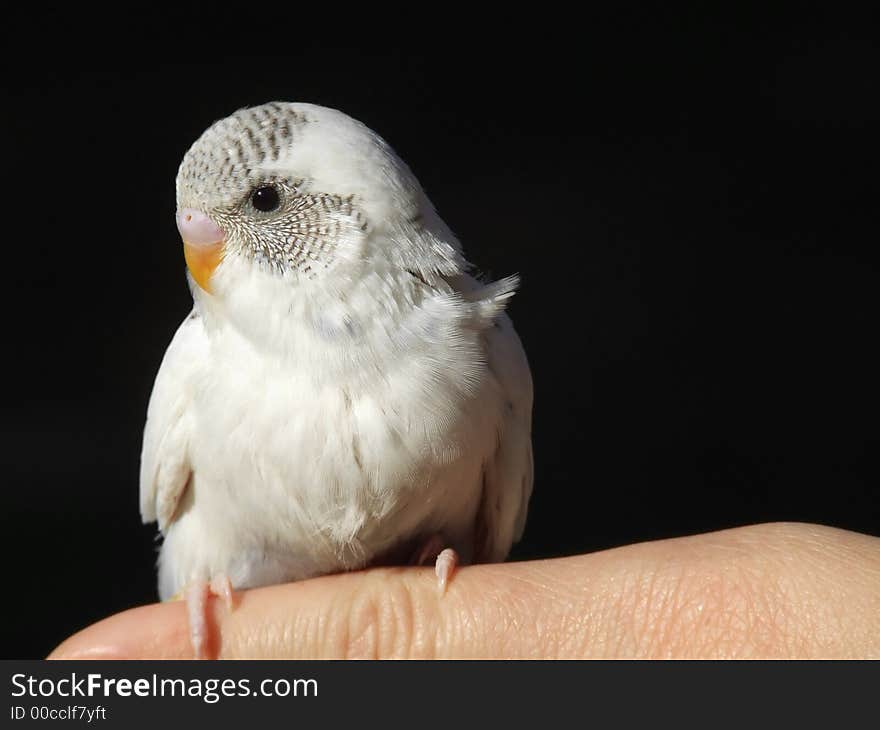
[224,163]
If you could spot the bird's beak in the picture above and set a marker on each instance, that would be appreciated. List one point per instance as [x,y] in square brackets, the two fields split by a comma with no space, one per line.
[202,245]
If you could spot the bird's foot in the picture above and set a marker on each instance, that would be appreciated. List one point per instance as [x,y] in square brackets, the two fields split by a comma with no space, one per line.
[444,567]
[445,560]
[197,594]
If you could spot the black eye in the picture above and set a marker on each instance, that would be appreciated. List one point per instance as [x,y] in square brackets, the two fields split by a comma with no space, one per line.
[266,198]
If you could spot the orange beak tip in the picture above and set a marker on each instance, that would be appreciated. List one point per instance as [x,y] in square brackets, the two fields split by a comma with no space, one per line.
[202,261]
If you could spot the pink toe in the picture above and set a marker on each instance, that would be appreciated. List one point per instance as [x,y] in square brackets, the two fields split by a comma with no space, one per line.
[445,566]
[222,587]
[197,605]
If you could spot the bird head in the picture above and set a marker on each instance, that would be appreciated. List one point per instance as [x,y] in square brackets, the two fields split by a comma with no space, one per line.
[300,195]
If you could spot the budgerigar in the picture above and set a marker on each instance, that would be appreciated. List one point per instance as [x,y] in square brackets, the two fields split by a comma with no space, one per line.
[344,392]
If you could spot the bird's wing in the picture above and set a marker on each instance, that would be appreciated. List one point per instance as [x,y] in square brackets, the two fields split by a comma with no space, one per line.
[165,467]
[508,472]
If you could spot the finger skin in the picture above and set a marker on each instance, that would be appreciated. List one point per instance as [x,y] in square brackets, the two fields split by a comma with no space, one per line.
[772,591]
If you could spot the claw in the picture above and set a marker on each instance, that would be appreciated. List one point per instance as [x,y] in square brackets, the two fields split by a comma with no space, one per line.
[221,587]
[197,593]
[445,566]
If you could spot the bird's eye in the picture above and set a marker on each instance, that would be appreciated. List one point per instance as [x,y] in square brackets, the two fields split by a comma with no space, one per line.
[266,198]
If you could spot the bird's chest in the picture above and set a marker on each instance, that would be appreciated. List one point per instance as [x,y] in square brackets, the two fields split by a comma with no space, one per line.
[330,465]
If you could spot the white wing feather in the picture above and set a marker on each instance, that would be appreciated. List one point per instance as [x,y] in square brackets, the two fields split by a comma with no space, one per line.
[165,466]
[508,473]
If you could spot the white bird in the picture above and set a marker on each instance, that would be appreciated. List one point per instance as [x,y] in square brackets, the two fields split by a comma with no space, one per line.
[344,392]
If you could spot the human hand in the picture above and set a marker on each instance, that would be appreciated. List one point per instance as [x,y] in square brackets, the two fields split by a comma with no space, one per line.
[783,590]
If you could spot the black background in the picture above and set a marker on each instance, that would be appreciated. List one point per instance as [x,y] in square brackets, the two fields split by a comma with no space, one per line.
[690,200]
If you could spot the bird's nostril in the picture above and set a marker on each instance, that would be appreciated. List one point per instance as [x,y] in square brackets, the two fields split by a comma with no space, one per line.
[188,218]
